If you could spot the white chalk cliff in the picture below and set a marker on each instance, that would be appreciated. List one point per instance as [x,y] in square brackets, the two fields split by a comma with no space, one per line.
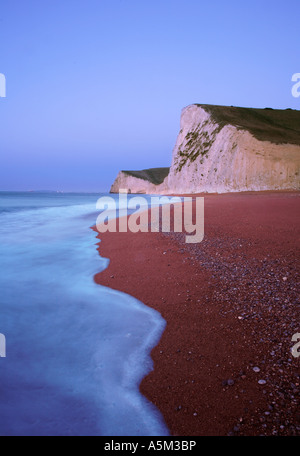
[216,151]
[132,184]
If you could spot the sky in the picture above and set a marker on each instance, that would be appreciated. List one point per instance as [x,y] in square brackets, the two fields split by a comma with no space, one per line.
[96,86]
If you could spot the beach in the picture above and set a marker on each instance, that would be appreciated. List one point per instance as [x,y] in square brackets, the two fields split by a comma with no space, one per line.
[223,365]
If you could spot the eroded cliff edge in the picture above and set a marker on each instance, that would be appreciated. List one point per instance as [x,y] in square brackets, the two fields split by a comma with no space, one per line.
[226,149]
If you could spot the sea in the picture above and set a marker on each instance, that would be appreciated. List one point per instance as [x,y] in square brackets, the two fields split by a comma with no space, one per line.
[75,351]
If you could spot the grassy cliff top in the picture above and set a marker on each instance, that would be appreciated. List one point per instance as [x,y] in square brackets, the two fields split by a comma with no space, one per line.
[280,126]
[153,175]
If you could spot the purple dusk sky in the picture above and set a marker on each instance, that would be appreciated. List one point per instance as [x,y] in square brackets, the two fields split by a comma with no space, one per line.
[96,86]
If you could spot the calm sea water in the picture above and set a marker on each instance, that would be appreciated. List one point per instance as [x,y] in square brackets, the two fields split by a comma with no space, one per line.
[75,351]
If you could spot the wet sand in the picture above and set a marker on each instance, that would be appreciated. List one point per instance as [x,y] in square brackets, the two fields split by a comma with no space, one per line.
[223,365]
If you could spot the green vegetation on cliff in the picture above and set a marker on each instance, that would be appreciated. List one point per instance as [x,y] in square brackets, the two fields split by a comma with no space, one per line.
[279,126]
[153,175]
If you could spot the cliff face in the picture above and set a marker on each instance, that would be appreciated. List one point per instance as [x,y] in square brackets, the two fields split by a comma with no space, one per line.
[221,149]
[132,184]
[145,181]
[211,157]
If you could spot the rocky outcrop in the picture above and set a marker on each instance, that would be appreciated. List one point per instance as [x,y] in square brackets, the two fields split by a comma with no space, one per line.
[223,149]
[132,184]
[144,181]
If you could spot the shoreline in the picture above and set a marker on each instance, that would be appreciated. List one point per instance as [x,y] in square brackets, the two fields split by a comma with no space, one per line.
[228,310]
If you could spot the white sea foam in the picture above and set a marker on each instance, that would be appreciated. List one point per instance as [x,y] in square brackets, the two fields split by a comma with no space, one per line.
[75,351]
